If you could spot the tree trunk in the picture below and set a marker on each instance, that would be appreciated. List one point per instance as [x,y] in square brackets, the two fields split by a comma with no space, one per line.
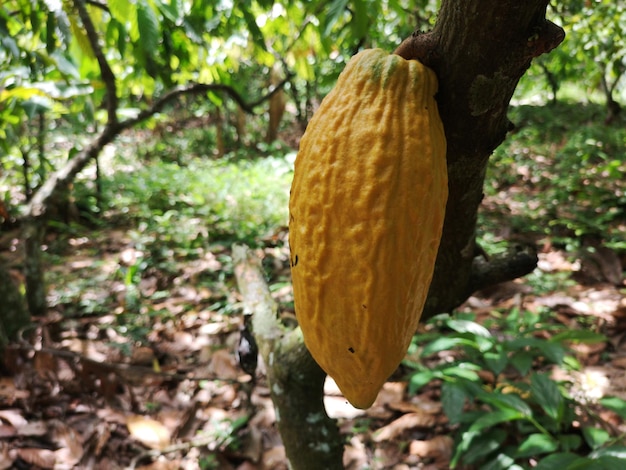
[479,50]
[13,313]
[33,231]
[276,107]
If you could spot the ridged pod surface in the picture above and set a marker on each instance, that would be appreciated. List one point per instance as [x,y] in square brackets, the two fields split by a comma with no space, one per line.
[366,214]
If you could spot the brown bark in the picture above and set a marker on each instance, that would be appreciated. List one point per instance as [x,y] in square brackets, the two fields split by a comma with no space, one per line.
[276,108]
[479,50]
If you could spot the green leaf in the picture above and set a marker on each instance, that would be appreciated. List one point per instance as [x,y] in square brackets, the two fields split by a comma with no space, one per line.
[255,31]
[360,18]
[446,343]
[148,26]
[496,361]
[615,404]
[463,370]
[496,417]
[603,463]
[483,445]
[506,401]
[453,397]
[536,444]
[547,395]
[522,361]
[121,10]
[50,36]
[561,461]
[466,326]
[595,437]
[170,9]
[570,441]
[335,10]
[552,351]
[613,451]
[582,336]
[420,379]
[501,462]
[81,38]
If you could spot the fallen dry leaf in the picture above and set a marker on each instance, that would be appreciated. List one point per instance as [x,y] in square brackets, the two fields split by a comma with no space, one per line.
[34,428]
[274,459]
[224,366]
[404,422]
[161,465]
[13,417]
[149,432]
[103,433]
[7,431]
[70,446]
[43,458]
[355,455]
[436,448]
[6,456]
[619,362]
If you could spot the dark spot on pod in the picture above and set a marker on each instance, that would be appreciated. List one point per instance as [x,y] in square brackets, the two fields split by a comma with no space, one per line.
[364,307]
[351,349]
[294,261]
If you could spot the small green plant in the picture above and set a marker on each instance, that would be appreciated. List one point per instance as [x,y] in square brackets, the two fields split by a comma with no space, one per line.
[505,409]
[187,207]
[558,175]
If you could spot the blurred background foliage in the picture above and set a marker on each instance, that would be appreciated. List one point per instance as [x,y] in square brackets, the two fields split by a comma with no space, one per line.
[219,163]
[51,89]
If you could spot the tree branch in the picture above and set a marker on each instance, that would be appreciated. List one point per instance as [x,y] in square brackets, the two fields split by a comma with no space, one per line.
[517,262]
[61,178]
[108,77]
[311,438]
[479,51]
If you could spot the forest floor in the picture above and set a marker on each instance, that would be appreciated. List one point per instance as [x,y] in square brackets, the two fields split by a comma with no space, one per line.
[80,392]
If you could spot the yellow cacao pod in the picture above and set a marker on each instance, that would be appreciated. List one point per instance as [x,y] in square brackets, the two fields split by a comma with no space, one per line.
[366,213]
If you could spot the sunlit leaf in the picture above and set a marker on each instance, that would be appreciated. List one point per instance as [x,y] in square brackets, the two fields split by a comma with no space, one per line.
[335,10]
[506,401]
[466,326]
[254,29]
[536,444]
[613,451]
[121,10]
[170,9]
[496,417]
[148,431]
[445,343]
[81,38]
[20,92]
